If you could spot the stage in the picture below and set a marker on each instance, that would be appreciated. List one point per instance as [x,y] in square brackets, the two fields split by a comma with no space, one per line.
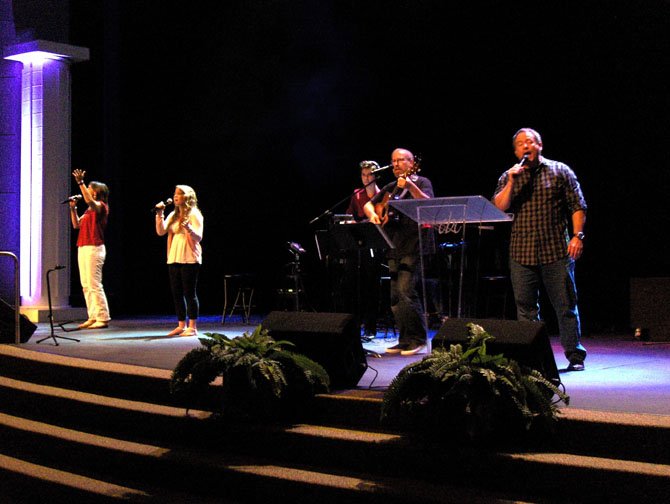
[622,375]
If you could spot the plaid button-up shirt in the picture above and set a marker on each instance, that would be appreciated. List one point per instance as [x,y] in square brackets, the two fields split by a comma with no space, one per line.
[543,201]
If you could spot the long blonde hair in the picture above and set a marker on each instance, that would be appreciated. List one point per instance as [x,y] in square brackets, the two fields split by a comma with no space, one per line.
[191,203]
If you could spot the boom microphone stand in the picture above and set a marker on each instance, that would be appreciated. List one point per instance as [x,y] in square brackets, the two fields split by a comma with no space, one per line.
[51,314]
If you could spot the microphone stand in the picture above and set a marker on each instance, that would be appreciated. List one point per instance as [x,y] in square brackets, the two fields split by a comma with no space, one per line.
[329,211]
[358,316]
[51,314]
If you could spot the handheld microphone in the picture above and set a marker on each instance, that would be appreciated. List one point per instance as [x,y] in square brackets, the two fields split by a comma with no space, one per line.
[524,160]
[166,203]
[295,247]
[375,170]
[76,197]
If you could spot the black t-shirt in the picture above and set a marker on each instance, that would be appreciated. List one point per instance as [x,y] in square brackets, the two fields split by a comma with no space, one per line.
[402,230]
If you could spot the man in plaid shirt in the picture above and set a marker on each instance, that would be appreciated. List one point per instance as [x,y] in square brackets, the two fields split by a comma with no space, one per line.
[544,195]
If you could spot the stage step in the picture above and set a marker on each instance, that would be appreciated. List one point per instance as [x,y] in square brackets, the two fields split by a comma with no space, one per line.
[97,377]
[127,441]
[194,474]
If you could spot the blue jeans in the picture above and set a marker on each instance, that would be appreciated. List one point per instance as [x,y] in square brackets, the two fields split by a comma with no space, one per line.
[405,304]
[558,279]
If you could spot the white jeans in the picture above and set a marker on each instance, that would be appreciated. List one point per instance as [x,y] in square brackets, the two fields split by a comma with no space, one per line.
[91,258]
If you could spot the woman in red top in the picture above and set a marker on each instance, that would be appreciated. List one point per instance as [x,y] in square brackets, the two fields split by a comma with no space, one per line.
[91,248]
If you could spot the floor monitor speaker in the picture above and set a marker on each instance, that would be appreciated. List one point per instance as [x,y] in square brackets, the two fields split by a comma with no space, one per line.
[331,339]
[525,342]
[649,311]
[8,324]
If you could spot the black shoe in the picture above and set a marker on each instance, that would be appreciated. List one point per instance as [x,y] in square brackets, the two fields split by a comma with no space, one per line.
[576,366]
[396,349]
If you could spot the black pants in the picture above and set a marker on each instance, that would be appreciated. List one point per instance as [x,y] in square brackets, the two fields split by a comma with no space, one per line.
[184,283]
[356,286]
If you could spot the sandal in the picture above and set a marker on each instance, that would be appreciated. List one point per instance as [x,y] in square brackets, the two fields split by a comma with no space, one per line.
[87,324]
[176,331]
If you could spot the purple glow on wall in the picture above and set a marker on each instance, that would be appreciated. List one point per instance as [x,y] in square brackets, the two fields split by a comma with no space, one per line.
[31,178]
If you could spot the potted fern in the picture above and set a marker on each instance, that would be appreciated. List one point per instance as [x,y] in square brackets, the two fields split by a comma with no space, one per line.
[260,378]
[469,395]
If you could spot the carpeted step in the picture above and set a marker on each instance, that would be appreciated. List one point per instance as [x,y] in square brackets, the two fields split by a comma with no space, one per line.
[639,437]
[26,482]
[93,412]
[642,437]
[23,482]
[97,377]
[388,458]
[630,436]
[116,468]
[613,456]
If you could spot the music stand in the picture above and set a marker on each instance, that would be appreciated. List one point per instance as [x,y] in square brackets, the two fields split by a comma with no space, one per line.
[358,237]
[449,215]
[51,315]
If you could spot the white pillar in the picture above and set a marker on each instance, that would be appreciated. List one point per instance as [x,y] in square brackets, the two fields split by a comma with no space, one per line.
[45,175]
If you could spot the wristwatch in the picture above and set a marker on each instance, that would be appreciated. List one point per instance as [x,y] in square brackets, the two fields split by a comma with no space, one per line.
[580,235]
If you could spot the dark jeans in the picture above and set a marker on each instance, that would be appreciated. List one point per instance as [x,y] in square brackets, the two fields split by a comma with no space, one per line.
[405,303]
[183,283]
[558,279]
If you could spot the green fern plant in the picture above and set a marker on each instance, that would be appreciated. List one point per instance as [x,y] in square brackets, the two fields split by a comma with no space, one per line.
[260,378]
[469,395]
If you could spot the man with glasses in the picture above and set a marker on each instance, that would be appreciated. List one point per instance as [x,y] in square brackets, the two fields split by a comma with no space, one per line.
[403,261]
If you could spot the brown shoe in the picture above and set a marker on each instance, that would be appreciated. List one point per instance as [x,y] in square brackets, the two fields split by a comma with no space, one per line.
[98,325]
[87,324]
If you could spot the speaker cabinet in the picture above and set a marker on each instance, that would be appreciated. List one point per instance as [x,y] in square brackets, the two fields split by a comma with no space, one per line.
[523,341]
[7,321]
[331,339]
[649,309]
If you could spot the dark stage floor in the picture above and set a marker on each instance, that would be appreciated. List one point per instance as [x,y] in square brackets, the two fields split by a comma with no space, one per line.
[621,374]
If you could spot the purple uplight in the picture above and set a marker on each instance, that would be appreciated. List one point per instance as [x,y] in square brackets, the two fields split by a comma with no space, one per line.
[32,57]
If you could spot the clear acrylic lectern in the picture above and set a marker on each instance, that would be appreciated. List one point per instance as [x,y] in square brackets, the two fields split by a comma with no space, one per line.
[449,216]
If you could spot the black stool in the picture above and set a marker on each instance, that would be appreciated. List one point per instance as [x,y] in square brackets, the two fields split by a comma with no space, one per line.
[243,285]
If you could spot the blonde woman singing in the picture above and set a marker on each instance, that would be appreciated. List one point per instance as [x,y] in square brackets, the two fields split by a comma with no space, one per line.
[184,227]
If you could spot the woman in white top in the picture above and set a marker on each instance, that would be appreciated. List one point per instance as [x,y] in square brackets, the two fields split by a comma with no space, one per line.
[184,226]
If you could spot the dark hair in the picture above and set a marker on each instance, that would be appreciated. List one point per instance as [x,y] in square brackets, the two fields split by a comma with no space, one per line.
[369,165]
[101,191]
